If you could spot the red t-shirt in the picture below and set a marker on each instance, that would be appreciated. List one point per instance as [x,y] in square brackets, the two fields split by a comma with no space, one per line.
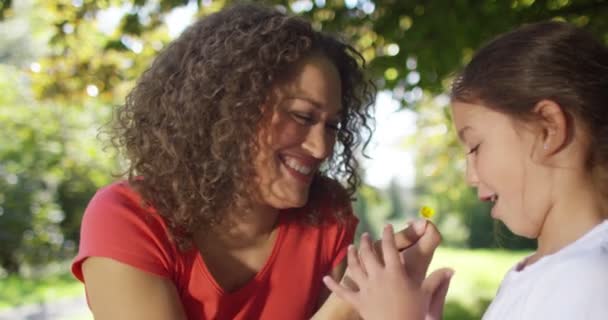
[115,226]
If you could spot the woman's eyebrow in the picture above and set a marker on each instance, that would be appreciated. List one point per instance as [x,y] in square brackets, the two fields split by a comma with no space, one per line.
[318,105]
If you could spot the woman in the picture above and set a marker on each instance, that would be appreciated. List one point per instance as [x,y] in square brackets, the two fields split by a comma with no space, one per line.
[236,137]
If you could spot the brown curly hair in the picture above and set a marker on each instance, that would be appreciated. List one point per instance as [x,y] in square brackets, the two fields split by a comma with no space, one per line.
[188,125]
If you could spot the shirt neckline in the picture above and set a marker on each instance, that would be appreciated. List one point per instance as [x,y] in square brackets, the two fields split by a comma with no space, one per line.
[282,228]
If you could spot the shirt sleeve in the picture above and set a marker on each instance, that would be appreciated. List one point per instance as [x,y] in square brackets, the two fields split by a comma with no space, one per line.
[116,226]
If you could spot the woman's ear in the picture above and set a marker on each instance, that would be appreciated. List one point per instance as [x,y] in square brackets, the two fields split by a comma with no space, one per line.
[554,127]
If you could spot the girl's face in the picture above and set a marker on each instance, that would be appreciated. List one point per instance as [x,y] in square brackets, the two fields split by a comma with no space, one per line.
[500,166]
[299,134]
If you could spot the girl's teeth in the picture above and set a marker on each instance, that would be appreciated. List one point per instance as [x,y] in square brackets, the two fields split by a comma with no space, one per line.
[292,163]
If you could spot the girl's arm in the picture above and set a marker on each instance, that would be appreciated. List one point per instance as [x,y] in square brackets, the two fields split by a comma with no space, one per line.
[118,291]
[419,241]
[387,289]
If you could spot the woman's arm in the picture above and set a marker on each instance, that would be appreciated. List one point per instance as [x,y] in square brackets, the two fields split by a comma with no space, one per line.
[337,273]
[118,291]
[332,307]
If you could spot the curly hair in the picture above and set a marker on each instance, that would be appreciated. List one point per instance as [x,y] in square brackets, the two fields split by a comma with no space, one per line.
[188,126]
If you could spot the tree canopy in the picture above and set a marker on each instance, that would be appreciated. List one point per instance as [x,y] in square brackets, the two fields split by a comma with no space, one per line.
[409,45]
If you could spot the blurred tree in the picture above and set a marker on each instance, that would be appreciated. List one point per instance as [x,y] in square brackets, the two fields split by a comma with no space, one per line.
[408,44]
[50,161]
[50,165]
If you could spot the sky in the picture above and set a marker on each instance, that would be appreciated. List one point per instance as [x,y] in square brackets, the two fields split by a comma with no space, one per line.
[389,158]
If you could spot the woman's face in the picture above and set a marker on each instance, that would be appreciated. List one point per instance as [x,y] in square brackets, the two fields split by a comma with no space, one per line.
[299,134]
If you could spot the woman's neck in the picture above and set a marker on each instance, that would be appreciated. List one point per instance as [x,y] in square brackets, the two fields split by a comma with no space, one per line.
[242,228]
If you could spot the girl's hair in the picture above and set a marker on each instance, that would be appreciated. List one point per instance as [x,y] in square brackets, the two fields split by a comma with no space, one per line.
[189,124]
[547,60]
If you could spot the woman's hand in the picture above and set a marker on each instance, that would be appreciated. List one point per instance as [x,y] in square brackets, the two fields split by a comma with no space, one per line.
[389,288]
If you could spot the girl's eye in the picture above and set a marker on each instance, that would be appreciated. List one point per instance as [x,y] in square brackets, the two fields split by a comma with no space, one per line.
[474,150]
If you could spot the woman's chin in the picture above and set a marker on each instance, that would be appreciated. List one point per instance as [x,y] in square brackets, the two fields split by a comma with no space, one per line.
[292,203]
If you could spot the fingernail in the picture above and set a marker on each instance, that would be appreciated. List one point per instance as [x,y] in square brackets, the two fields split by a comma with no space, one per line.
[419,226]
[389,227]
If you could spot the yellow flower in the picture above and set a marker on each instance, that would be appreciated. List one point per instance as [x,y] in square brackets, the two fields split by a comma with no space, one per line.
[427,212]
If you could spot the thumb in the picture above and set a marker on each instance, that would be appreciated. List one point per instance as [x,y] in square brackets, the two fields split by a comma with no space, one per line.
[436,288]
[418,257]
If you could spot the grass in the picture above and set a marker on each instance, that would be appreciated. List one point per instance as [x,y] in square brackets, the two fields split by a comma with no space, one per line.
[477,276]
[17,291]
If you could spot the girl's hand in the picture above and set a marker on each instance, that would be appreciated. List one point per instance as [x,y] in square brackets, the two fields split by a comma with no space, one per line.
[386,289]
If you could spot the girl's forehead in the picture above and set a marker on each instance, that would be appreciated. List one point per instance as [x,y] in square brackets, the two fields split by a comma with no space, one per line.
[471,118]
[463,112]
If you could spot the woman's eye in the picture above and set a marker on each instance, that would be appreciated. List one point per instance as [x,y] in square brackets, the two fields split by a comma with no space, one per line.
[333,126]
[302,117]
[474,150]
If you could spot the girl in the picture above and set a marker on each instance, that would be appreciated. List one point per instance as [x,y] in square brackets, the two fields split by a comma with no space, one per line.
[230,136]
[532,110]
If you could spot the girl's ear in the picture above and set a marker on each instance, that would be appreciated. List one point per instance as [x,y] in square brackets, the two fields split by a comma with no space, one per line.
[554,127]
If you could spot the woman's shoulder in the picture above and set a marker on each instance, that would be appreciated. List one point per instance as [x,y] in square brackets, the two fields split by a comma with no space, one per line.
[116,192]
[118,225]
[118,204]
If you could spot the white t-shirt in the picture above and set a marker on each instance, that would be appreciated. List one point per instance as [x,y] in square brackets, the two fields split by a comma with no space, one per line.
[571,284]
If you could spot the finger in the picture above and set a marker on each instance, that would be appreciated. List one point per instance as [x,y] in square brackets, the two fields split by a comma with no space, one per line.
[342,292]
[436,286]
[389,249]
[367,256]
[410,235]
[353,270]
[356,272]
[418,257]
[434,280]
[405,238]
[437,302]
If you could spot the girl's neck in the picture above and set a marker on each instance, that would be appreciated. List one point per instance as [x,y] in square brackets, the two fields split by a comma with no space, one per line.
[575,211]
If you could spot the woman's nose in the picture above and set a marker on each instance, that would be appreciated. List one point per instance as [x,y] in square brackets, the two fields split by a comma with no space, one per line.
[319,143]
